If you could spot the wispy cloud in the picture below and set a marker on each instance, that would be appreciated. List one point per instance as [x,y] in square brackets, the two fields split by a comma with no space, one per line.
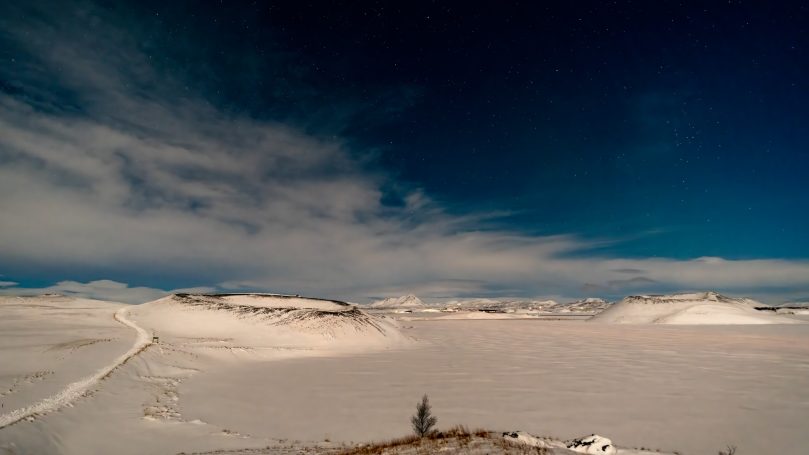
[111,166]
[616,286]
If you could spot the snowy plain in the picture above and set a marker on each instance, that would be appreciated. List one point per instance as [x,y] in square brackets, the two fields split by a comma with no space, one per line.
[280,375]
[689,389]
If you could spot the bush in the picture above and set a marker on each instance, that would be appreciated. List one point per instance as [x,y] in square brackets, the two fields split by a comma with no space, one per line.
[423,421]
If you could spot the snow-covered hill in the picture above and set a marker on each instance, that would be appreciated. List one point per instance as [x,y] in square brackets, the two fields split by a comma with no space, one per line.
[264,320]
[691,308]
[406,301]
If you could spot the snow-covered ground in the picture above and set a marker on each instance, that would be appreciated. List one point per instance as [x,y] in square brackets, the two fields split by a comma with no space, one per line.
[83,376]
[462,441]
[687,388]
[75,390]
[49,343]
[249,372]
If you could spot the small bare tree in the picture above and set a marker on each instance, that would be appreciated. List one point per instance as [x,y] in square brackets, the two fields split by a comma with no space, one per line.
[423,421]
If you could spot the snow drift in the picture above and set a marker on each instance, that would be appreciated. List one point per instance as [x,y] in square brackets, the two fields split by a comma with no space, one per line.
[693,308]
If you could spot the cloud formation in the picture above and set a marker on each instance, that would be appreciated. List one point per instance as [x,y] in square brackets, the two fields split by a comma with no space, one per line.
[108,290]
[109,166]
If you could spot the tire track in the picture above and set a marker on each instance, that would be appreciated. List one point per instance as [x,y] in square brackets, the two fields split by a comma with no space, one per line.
[77,389]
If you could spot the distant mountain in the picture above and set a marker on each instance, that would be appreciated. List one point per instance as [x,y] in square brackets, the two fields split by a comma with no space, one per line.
[405,301]
[504,305]
[588,305]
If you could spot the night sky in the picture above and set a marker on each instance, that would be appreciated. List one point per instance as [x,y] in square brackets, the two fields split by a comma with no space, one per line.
[362,150]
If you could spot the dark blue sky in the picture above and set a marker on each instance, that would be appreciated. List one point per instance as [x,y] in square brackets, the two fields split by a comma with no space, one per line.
[682,128]
[641,130]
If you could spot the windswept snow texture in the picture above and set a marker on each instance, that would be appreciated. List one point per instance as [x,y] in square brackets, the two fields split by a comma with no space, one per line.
[689,309]
[409,301]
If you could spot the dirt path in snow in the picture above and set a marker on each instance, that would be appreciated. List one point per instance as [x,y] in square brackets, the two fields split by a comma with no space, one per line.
[77,389]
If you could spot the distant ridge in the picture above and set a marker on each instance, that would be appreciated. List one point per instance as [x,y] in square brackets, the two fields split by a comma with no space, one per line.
[487,304]
[405,301]
[260,294]
[588,305]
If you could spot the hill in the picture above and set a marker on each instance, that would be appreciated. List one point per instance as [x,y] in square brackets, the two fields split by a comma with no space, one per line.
[405,301]
[264,321]
[691,308]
